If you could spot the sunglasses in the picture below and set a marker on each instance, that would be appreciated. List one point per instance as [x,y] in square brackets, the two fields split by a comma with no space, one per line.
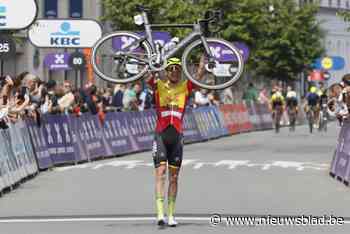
[173,68]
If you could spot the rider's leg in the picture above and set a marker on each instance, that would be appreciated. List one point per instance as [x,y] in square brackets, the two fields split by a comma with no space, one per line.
[160,162]
[175,160]
[172,192]
[160,184]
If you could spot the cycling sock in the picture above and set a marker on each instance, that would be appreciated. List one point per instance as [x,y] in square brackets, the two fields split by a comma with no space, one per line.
[171,206]
[160,206]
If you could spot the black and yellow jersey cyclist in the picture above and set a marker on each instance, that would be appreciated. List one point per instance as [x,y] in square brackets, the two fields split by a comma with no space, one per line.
[277,100]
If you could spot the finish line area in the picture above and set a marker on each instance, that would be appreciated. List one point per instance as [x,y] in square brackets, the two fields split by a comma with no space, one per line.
[117,195]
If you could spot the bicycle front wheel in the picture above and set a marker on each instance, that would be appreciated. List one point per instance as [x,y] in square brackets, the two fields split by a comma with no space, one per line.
[221,71]
[121,57]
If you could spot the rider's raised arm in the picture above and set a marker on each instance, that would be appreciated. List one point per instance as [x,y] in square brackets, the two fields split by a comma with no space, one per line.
[200,73]
[201,69]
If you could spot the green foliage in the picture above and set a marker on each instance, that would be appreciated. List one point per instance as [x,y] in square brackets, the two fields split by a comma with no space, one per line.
[121,13]
[283,41]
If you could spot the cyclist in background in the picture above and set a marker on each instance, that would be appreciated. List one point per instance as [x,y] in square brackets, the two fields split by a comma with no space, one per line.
[171,95]
[292,107]
[277,105]
[312,107]
[323,110]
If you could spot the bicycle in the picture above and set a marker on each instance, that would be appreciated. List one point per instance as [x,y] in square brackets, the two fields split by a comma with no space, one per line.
[323,118]
[292,114]
[276,116]
[133,55]
[311,117]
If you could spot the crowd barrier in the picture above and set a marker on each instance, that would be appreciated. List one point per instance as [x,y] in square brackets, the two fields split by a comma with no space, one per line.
[65,139]
[17,157]
[340,166]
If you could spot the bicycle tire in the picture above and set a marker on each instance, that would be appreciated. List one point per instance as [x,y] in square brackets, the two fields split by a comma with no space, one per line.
[108,78]
[219,86]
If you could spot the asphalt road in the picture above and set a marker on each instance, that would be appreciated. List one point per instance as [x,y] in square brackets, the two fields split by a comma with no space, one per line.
[255,174]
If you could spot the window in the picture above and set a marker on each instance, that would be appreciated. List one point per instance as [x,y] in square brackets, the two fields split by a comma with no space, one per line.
[347,4]
[51,9]
[76,8]
[329,3]
[339,4]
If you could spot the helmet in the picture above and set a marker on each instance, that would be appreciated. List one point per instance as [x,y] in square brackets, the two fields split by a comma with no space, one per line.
[173,61]
[313,89]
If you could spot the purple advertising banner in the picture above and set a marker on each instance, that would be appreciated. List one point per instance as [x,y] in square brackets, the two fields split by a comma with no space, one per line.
[119,43]
[190,128]
[57,61]
[39,144]
[118,135]
[340,165]
[244,49]
[144,128]
[207,122]
[225,54]
[60,143]
[90,132]
[78,135]
[220,117]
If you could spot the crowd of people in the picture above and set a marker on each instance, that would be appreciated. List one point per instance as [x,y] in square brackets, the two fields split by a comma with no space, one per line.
[29,96]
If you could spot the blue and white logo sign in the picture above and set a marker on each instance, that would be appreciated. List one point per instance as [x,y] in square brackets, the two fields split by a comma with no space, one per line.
[3,20]
[65,36]
[65,33]
[17,14]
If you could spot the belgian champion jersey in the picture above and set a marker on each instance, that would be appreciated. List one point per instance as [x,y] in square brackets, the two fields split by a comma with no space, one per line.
[170,102]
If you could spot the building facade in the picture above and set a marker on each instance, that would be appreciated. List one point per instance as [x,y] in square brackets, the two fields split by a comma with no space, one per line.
[29,58]
[337,34]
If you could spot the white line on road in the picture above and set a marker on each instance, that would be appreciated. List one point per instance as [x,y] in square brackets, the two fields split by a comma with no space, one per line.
[196,165]
[104,219]
[107,219]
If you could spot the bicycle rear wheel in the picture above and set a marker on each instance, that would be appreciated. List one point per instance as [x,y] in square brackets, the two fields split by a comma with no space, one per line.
[311,121]
[121,57]
[225,69]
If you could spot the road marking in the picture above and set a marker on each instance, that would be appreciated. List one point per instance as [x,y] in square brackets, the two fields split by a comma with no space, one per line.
[107,219]
[196,164]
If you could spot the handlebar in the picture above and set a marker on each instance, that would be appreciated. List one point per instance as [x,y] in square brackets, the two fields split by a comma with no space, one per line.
[213,16]
[141,8]
[214,19]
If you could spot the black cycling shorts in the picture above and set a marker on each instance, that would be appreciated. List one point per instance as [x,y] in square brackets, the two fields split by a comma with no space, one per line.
[168,147]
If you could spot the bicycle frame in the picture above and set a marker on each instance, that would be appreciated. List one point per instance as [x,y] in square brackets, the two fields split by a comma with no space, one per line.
[197,33]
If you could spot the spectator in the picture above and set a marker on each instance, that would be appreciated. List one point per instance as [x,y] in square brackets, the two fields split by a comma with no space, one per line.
[129,99]
[66,102]
[263,97]
[117,100]
[214,98]
[146,99]
[251,94]
[201,98]
[227,96]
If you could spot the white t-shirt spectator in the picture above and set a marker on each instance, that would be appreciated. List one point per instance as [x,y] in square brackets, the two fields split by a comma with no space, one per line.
[201,99]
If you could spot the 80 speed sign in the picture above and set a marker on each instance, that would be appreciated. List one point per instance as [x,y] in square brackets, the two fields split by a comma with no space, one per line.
[77,61]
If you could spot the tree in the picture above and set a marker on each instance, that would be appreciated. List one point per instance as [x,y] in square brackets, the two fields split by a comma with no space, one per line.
[120,13]
[284,39]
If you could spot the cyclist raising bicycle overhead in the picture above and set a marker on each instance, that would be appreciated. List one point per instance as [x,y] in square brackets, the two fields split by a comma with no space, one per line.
[171,96]
[277,106]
